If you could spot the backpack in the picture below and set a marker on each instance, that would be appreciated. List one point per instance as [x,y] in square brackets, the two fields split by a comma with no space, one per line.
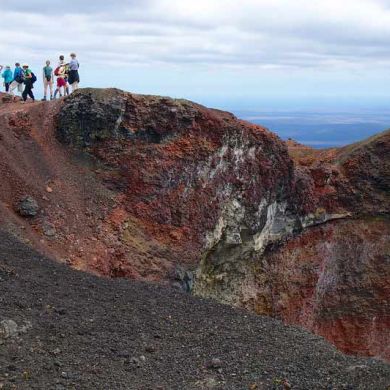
[20,77]
[33,78]
[60,70]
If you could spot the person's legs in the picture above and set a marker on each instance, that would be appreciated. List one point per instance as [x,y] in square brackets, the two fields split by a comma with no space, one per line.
[75,86]
[30,93]
[66,86]
[25,92]
[20,87]
[77,79]
[45,85]
[57,89]
[51,89]
[13,86]
[7,87]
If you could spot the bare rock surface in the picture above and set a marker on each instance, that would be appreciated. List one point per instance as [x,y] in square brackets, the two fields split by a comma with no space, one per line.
[28,207]
[159,189]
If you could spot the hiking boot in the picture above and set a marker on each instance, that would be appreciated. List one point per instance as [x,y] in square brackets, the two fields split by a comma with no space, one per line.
[44,99]
[51,97]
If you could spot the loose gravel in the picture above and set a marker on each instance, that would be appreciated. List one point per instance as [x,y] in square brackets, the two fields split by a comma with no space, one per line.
[62,329]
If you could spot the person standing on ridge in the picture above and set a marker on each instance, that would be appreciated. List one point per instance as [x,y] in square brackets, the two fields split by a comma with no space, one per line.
[8,77]
[48,77]
[60,72]
[74,77]
[18,79]
[1,68]
[28,83]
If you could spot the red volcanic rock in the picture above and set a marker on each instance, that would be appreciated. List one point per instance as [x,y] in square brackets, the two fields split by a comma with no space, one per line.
[332,274]
[334,280]
[175,164]
[141,184]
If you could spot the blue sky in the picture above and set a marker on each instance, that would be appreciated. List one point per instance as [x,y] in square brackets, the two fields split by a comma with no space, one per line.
[247,54]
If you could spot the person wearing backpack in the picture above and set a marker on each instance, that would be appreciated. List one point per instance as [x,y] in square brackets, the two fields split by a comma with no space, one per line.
[74,77]
[48,77]
[60,72]
[29,79]
[18,79]
[8,77]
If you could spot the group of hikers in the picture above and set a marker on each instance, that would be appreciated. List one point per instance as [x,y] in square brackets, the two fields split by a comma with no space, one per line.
[22,78]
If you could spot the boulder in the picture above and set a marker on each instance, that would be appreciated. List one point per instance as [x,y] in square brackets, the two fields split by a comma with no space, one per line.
[28,207]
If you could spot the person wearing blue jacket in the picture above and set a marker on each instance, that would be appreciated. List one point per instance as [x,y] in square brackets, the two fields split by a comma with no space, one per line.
[8,77]
[18,79]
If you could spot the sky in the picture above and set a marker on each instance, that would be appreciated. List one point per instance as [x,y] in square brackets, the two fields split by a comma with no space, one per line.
[246,54]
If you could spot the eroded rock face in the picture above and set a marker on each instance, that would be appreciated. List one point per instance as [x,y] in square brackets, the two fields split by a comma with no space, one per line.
[304,241]
[326,266]
[177,166]
[138,186]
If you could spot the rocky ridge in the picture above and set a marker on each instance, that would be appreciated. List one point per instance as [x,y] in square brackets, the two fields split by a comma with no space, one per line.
[136,185]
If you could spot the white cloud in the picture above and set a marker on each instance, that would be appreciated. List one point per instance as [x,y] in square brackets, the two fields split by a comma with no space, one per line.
[263,33]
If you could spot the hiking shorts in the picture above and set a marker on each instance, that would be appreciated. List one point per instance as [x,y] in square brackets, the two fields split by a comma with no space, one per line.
[74,77]
[61,82]
[47,83]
